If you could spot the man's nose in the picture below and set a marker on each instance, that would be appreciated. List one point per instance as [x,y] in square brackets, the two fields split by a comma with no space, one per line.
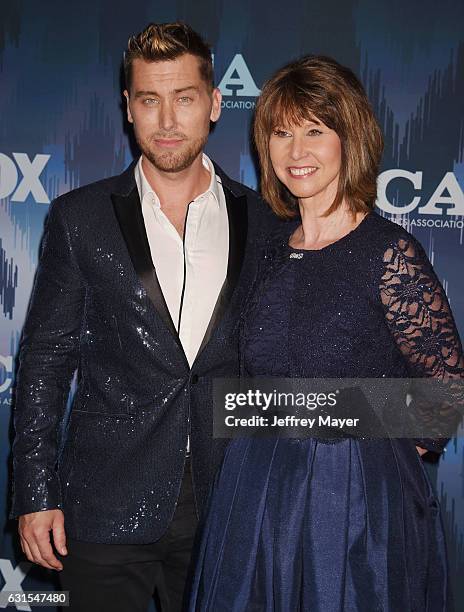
[167,117]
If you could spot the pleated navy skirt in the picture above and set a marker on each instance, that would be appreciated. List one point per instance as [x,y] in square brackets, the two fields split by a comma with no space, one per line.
[308,525]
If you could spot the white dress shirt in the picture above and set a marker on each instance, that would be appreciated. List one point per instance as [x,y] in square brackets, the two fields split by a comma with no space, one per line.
[203,254]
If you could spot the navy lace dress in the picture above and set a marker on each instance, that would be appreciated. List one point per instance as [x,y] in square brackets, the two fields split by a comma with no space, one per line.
[352,525]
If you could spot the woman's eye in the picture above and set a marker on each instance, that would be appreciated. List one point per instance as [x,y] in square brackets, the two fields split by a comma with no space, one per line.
[281,133]
[314,132]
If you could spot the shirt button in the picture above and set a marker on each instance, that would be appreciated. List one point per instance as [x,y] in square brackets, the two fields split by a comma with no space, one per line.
[194,379]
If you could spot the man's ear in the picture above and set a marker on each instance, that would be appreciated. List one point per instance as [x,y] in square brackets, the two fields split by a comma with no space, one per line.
[216,108]
[129,114]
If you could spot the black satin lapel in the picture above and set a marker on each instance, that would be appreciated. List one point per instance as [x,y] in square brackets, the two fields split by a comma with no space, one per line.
[129,214]
[237,213]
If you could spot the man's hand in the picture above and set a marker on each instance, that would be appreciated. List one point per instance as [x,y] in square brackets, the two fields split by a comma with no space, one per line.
[421,451]
[34,531]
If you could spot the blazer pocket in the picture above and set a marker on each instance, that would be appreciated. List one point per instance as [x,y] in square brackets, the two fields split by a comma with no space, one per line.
[92,408]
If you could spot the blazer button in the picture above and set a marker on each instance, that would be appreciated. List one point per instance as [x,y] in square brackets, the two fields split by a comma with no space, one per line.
[194,379]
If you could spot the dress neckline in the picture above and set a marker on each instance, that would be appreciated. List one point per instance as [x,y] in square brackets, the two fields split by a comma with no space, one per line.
[347,237]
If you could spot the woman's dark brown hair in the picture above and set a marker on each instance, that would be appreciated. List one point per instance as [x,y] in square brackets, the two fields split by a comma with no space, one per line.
[319,87]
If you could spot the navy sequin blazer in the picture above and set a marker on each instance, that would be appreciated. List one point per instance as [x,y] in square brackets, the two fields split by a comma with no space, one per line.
[97,308]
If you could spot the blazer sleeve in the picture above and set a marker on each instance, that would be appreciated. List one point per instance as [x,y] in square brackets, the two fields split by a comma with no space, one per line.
[48,357]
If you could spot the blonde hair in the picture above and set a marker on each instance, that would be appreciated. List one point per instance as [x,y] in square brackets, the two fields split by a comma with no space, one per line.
[319,87]
[167,41]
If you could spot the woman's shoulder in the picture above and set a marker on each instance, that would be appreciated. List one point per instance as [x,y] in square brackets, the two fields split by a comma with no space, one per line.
[397,253]
[375,235]
[278,235]
[387,234]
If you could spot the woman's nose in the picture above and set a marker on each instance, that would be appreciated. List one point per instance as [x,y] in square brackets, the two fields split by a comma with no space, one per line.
[298,148]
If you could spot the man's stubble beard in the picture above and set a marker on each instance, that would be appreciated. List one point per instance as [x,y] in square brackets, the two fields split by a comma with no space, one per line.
[173,161]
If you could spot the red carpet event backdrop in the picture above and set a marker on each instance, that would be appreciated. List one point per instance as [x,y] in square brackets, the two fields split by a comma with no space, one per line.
[63,126]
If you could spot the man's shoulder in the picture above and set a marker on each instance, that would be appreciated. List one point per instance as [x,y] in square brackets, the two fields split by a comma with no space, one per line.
[262,220]
[257,206]
[236,188]
[98,191]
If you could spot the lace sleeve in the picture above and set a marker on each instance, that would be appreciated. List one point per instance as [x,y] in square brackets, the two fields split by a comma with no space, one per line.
[419,317]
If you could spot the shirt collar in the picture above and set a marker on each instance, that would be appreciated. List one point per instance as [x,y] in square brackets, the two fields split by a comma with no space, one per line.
[144,188]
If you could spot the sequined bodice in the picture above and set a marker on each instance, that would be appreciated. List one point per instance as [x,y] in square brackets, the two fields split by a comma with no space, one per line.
[369,305]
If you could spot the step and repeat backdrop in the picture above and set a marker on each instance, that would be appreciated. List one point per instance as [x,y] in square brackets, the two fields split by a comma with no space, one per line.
[62,125]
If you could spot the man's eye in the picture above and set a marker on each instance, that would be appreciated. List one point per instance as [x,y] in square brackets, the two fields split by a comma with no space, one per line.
[185,100]
[150,101]
[281,133]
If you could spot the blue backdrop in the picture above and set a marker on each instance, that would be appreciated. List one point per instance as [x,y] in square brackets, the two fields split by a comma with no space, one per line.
[62,125]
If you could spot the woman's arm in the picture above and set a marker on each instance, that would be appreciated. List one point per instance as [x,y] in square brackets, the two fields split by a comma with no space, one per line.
[419,317]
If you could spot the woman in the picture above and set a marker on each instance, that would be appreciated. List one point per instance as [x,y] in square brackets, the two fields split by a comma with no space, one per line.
[318,525]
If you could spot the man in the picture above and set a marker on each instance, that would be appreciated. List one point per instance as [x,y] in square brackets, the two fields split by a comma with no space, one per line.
[139,286]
